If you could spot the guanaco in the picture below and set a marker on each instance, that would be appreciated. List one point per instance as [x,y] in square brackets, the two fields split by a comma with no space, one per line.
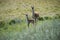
[29,20]
[35,15]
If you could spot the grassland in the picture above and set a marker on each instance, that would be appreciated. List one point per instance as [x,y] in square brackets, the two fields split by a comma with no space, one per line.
[16,8]
[44,30]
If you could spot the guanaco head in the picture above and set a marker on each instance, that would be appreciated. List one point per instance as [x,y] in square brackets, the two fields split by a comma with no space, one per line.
[26,14]
[32,7]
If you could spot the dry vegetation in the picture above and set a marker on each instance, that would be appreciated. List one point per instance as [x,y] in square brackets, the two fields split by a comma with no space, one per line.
[16,8]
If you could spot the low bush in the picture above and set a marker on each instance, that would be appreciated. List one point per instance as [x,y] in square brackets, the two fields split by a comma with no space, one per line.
[47,18]
[40,18]
[14,21]
[2,24]
[57,16]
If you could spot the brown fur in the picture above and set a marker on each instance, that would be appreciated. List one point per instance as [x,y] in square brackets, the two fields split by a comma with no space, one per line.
[29,20]
[35,15]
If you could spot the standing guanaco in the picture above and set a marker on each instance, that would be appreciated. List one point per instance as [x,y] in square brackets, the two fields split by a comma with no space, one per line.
[29,20]
[35,15]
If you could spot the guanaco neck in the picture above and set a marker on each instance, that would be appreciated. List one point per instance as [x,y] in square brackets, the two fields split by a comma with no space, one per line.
[27,18]
[33,11]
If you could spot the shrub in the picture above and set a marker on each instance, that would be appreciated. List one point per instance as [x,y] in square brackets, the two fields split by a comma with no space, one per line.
[0,2]
[14,21]
[47,18]
[58,36]
[40,18]
[57,16]
[2,24]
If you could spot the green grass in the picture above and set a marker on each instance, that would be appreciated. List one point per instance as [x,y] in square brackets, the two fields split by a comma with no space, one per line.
[44,30]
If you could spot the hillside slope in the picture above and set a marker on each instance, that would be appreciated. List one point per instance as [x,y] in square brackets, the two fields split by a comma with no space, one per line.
[15,8]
